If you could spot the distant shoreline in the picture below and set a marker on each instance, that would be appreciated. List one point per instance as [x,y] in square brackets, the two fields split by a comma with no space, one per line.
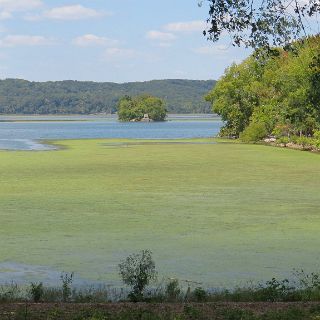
[12,118]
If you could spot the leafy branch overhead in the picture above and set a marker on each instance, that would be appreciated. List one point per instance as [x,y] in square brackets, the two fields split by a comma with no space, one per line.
[261,23]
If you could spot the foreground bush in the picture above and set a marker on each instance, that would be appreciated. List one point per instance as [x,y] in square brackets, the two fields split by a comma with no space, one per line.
[254,132]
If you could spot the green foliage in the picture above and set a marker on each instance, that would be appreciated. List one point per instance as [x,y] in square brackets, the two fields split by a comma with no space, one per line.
[276,290]
[199,294]
[260,24]
[66,279]
[278,91]
[254,132]
[10,292]
[290,314]
[36,291]
[233,98]
[136,271]
[283,140]
[135,108]
[76,97]
[237,314]
[173,291]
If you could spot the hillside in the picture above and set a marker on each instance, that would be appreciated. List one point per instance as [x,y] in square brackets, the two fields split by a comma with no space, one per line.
[65,97]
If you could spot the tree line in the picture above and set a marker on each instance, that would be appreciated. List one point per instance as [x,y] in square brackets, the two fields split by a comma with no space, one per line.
[76,97]
[278,94]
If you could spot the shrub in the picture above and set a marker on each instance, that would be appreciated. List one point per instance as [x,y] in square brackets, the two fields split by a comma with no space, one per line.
[137,271]
[11,292]
[173,290]
[36,291]
[316,138]
[67,279]
[283,140]
[255,132]
[304,141]
[276,290]
[199,294]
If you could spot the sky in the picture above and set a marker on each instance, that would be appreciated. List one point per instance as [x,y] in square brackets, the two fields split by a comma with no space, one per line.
[109,40]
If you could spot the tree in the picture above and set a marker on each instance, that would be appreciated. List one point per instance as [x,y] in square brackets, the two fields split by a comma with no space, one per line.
[135,108]
[281,93]
[261,23]
[136,271]
[234,97]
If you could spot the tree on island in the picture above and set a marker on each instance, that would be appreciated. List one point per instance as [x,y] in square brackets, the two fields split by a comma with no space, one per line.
[135,108]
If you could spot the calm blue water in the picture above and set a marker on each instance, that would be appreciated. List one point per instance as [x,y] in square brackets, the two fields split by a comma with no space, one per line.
[27,135]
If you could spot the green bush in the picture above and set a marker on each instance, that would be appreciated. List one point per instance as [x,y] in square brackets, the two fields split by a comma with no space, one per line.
[36,291]
[316,139]
[304,141]
[283,140]
[276,290]
[11,293]
[199,295]
[255,132]
[173,291]
[66,279]
[137,271]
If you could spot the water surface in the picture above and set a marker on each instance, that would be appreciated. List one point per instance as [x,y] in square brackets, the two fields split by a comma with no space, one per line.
[26,133]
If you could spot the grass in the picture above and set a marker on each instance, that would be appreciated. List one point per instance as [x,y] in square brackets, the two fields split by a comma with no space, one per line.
[217,213]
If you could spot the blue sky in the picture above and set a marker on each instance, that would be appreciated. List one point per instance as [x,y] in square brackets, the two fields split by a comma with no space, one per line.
[109,40]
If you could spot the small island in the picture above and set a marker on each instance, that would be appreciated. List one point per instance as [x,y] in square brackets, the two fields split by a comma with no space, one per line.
[144,108]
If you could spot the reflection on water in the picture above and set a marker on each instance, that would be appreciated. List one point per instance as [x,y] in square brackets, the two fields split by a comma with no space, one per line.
[24,274]
[25,135]
[23,144]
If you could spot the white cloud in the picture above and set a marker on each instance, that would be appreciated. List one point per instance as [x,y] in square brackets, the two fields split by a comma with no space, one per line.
[73,12]
[160,36]
[211,50]
[164,44]
[24,40]
[190,26]
[7,7]
[19,5]
[4,15]
[119,53]
[93,40]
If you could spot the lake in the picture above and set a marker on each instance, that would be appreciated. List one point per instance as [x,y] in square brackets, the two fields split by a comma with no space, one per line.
[26,132]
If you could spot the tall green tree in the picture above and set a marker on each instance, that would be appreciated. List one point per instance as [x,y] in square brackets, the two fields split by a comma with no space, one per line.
[134,108]
[136,271]
[280,92]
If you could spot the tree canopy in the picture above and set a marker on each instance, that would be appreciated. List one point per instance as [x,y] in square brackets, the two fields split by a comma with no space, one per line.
[261,23]
[67,97]
[135,108]
[281,95]
[136,271]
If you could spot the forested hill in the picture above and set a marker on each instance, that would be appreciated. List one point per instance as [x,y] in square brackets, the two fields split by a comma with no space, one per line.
[65,97]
